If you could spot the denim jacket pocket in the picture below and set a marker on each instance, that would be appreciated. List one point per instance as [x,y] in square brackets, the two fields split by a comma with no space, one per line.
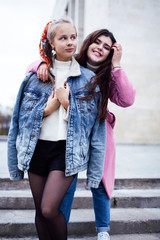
[85,106]
[29,101]
[27,112]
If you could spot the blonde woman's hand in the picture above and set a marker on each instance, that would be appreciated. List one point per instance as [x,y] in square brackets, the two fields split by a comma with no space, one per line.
[62,93]
[42,72]
[117,55]
[52,104]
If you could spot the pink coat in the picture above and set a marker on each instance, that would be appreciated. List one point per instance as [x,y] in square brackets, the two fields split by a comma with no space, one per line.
[122,94]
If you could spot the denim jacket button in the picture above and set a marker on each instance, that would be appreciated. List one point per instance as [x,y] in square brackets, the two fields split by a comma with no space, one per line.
[36,118]
[45,99]
[33,135]
[23,169]
[28,153]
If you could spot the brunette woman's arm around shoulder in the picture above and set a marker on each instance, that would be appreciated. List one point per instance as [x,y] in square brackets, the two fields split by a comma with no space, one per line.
[39,67]
[122,91]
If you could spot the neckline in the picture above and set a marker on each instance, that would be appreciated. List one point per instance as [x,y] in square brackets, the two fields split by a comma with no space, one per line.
[62,64]
[92,67]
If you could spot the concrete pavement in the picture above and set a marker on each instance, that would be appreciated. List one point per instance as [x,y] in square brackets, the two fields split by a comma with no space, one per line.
[132,161]
[114,237]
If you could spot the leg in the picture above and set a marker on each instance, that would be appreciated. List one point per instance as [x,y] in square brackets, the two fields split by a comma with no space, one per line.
[37,184]
[101,204]
[66,204]
[55,189]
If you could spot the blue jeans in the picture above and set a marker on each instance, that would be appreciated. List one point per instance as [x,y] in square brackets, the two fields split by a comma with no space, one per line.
[101,204]
[66,204]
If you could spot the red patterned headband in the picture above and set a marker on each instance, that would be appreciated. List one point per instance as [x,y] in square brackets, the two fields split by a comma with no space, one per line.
[43,42]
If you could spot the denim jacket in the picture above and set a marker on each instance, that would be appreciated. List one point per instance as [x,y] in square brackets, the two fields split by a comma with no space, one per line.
[85,143]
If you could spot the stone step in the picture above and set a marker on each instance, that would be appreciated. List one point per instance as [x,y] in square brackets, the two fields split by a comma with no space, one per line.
[132,198]
[129,183]
[20,223]
[150,236]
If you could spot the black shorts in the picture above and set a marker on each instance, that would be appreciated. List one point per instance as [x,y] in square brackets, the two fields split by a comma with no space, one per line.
[48,156]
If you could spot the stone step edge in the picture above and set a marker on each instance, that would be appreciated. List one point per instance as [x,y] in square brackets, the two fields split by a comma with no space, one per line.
[85,215]
[119,193]
[151,236]
[128,221]
[22,199]
[143,183]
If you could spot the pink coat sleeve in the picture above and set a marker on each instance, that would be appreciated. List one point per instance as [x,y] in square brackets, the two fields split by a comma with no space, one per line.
[33,67]
[122,92]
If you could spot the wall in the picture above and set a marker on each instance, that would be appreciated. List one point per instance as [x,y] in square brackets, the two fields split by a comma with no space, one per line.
[135,25]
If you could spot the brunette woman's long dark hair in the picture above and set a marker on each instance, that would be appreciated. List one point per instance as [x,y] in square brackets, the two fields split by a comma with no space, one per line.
[103,73]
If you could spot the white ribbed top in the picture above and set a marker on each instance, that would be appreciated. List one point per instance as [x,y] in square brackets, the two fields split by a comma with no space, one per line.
[54,126]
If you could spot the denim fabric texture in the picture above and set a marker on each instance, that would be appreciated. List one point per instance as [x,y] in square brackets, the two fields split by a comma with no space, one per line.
[85,143]
[101,204]
[66,204]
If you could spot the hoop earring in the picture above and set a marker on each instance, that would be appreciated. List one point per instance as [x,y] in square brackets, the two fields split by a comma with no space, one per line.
[53,51]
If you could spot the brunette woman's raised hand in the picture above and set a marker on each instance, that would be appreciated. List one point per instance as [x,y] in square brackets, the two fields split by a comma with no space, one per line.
[116,55]
[42,72]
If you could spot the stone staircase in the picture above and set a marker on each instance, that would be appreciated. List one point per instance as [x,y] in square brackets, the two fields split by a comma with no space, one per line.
[135,211]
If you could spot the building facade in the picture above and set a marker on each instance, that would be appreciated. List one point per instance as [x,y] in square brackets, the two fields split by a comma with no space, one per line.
[135,25]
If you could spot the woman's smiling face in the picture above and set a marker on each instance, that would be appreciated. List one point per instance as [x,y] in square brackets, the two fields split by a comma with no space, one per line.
[99,50]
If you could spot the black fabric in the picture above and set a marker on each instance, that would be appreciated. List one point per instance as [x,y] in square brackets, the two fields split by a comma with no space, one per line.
[48,156]
[48,193]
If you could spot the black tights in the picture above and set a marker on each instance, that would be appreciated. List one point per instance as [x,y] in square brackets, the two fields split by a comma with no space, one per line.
[48,193]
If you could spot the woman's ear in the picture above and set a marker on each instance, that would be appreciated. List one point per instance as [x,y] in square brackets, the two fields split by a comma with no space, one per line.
[52,45]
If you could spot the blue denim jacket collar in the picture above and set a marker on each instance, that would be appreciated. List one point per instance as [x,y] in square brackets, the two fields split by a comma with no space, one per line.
[74,69]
